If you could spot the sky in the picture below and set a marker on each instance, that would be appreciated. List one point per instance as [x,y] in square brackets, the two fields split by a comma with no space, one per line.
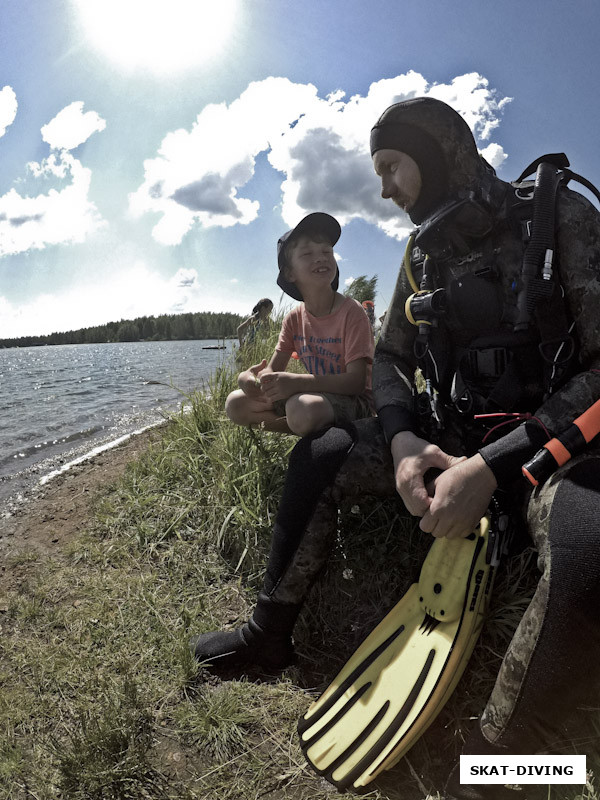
[153,151]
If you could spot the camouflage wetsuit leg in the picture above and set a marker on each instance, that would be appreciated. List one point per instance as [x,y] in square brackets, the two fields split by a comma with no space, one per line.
[323,469]
[551,666]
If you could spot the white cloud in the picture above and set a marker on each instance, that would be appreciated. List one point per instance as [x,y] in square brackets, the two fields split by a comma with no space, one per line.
[8,108]
[494,154]
[131,292]
[64,215]
[319,145]
[326,158]
[349,281]
[470,95]
[60,216]
[197,175]
[186,278]
[72,127]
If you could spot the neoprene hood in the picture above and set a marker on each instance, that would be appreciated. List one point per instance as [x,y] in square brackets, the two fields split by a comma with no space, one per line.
[442,145]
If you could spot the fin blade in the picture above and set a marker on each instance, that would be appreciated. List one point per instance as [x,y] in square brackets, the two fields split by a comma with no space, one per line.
[377,749]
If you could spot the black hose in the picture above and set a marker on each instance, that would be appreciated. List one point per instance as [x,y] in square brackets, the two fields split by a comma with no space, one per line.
[532,285]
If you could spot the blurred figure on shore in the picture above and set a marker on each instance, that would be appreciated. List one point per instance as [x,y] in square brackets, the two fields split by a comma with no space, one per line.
[246,331]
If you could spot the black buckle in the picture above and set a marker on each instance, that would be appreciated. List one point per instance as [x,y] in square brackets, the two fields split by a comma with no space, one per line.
[501,533]
[488,362]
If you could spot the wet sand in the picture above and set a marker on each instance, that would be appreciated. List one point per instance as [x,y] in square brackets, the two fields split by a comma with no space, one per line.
[51,514]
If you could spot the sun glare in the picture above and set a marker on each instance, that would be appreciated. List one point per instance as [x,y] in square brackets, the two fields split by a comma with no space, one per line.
[160,35]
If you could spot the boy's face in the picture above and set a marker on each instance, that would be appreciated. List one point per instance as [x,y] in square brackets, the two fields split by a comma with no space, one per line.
[400,177]
[311,263]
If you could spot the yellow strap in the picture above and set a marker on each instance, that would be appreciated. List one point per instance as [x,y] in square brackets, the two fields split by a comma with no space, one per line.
[406,263]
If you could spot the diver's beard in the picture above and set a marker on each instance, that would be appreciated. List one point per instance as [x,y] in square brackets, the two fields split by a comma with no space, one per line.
[403,202]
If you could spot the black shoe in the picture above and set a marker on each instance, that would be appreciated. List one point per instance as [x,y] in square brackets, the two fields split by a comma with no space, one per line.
[265,640]
[245,646]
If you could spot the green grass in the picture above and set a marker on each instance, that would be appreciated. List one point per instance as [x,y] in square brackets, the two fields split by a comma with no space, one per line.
[100,698]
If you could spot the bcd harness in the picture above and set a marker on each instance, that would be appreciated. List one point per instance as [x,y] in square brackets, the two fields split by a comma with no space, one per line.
[532,344]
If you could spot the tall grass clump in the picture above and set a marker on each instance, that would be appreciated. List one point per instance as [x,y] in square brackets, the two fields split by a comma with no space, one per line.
[100,696]
[208,482]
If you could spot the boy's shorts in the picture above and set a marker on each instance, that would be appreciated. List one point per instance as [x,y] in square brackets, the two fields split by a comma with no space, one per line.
[346,407]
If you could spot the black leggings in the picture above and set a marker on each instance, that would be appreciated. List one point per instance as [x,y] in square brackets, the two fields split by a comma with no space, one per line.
[323,468]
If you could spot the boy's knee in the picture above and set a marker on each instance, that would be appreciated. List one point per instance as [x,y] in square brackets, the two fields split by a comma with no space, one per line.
[307,413]
[236,407]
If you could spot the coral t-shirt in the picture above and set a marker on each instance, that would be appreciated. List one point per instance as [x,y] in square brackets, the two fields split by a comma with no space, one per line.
[325,345]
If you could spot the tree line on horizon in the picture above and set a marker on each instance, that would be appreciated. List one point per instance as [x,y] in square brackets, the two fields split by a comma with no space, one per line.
[166,327]
[199,325]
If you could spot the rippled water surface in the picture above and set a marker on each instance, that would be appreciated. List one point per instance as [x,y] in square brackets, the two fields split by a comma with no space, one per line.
[57,403]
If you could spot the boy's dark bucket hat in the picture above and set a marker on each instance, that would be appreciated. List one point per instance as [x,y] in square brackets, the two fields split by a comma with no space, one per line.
[319,221]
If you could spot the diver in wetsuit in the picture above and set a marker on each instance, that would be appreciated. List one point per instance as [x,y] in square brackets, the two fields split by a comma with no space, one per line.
[485,348]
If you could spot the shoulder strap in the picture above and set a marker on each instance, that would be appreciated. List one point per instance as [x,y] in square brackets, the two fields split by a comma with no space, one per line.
[560,161]
[536,273]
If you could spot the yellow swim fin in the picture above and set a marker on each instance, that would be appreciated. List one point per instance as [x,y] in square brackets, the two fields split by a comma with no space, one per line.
[399,679]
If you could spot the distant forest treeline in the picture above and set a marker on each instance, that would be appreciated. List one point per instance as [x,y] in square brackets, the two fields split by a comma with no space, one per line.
[201,325]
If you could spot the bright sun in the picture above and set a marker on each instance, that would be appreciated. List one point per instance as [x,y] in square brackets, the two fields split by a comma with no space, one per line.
[160,35]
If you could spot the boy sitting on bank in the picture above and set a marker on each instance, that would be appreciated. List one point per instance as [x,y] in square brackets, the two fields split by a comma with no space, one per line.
[330,333]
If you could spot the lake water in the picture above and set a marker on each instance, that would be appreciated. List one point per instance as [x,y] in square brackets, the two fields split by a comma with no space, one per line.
[59,403]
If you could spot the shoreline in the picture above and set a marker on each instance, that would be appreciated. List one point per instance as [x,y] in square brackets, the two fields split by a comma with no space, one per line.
[97,451]
[50,514]
[17,489]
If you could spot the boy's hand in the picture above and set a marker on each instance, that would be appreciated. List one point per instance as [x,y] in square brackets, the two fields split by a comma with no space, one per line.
[279,385]
[248,381]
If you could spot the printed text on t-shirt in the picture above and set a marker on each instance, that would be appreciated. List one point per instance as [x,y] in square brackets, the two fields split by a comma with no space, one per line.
[317,359]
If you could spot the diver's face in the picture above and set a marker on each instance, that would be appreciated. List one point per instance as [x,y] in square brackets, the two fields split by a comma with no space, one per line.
[400,177]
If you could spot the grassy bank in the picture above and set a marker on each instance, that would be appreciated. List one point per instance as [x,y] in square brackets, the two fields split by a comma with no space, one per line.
[100,698]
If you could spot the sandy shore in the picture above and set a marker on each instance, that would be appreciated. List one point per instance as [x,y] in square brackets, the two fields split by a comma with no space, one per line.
[56,511]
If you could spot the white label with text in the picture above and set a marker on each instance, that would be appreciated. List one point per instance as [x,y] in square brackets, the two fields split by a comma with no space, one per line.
[522,769]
